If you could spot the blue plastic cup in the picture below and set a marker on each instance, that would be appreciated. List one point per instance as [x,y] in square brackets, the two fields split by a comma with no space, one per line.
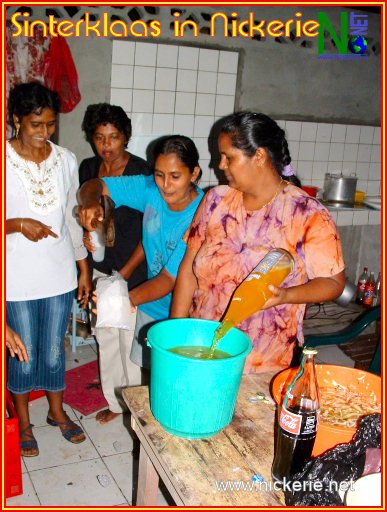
[194,398]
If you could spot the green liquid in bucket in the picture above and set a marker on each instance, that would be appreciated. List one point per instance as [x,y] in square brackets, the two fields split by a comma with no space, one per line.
[221,331]
[199,352]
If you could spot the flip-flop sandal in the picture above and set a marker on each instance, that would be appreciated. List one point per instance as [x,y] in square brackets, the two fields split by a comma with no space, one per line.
[29,444]
[68,434]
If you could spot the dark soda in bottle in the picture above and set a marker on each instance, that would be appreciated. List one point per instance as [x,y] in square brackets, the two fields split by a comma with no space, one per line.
[361,284]
[297,421]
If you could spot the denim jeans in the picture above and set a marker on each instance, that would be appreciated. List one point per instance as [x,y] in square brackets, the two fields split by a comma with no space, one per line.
[41,324]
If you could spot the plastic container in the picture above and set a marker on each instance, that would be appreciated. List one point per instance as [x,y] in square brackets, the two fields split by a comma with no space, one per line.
[365,492]
[359,196]
[312,191]
[35,394]
[13,484]
[328,436]
[194,398]
[97,238]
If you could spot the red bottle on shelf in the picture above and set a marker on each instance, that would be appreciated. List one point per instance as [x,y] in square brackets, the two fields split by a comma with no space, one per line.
[369,291]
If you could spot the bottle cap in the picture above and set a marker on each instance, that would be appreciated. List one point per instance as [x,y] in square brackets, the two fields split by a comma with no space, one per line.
[309,351]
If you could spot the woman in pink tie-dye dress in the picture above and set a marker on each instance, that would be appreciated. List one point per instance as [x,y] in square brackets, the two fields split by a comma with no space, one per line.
[236,225]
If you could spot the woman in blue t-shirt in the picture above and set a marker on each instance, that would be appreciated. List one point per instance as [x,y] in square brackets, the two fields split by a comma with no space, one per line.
[168,201]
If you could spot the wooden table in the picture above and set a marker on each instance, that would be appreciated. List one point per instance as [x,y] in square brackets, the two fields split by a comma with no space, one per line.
[196,471]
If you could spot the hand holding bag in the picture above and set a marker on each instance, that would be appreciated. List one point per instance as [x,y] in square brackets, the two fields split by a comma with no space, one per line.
[113,306]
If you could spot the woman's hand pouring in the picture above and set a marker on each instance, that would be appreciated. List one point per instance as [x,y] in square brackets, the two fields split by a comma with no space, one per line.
[278,296]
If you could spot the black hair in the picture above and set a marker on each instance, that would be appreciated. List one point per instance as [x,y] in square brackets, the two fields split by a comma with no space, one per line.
[293,179]
[249,131]
[181,146]
[31,98]
[104,113]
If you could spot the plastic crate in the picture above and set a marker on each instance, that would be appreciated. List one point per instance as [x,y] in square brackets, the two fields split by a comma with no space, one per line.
[12,460]
[35,394]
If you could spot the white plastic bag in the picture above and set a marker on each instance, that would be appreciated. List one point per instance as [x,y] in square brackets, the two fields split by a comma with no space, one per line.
[113,305]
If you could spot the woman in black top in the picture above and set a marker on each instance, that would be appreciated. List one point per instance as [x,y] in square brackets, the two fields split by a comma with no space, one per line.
[108,129]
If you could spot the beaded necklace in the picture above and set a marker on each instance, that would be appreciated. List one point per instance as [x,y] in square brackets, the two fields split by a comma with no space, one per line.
[38,182]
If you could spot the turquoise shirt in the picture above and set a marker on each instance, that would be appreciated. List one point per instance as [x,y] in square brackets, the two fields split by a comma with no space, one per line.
[163,230]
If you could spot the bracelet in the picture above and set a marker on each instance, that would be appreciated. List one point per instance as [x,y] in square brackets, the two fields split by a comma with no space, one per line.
[21,226]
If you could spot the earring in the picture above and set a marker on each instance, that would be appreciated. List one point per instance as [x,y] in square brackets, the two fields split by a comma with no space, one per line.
[17,128]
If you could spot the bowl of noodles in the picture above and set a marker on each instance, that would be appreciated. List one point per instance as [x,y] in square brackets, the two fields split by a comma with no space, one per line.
[346,395]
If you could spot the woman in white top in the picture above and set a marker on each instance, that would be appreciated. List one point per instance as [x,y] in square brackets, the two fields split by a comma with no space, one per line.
[44,241]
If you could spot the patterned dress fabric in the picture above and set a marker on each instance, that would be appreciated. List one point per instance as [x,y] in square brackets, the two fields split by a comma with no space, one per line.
[230,241]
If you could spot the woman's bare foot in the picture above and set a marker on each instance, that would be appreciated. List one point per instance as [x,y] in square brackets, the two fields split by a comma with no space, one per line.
[106,415]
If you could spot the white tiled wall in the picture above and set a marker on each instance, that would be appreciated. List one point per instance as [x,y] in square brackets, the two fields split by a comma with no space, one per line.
[168,89]
[183,90]
[317,148]
[356,218]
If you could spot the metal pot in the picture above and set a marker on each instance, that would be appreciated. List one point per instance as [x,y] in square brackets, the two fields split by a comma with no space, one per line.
[338,187]
[347,294]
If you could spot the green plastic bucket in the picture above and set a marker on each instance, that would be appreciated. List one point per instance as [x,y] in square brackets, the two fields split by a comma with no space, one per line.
[194,398]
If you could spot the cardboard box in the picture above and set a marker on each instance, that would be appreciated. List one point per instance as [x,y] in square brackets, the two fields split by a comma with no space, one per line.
[12,460]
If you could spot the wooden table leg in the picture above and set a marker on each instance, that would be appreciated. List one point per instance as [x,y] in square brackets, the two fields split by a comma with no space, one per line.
[148,481]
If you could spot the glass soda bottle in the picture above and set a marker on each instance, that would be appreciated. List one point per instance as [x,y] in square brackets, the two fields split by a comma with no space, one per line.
[297,421]
[251,295]
[361,286]
[376,297]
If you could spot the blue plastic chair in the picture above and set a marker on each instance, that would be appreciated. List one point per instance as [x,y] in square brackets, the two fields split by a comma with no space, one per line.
[349,333]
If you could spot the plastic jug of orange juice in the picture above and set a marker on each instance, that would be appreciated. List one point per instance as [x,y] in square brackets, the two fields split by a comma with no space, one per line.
[251,295]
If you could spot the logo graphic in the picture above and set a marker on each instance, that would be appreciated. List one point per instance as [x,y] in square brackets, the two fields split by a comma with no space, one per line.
[350,43]
[290,422]
[357,44]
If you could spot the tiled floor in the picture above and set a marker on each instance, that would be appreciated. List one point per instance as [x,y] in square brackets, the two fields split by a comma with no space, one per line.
[97,472]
